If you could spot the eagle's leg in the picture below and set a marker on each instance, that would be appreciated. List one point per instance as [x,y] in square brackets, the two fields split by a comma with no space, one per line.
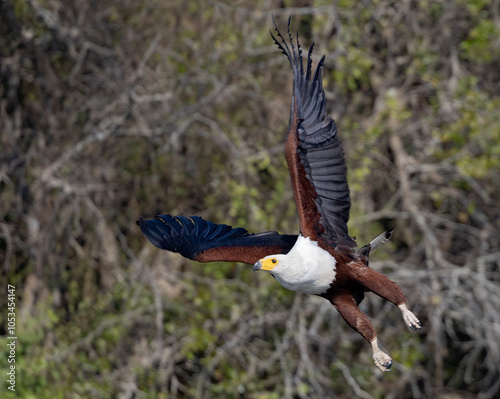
[387,289]
[346,305]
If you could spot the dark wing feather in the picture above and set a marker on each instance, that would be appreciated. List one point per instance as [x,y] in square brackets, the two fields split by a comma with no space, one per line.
[204,241]
[314,153]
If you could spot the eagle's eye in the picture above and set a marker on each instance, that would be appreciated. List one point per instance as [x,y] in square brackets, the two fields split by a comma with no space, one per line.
[274,260]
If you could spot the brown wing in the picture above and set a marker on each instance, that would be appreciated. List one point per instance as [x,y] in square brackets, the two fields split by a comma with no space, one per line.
[314,154]
[204,241]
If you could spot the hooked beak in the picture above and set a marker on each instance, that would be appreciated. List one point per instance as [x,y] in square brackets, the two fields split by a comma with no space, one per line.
[257,266]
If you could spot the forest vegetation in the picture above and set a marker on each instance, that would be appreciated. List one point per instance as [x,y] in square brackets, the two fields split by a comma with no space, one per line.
[111,110]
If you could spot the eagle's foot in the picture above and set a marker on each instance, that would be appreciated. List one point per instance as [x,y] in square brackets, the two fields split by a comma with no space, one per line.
[409,318]
[382,360]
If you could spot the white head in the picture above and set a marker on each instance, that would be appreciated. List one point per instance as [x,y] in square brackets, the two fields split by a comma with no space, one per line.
[274,264]
[306,268]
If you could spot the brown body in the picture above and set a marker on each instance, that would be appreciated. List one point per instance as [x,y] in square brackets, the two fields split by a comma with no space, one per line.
[347,291]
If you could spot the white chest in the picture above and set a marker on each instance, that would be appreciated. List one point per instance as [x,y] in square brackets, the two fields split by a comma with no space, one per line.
[308,268]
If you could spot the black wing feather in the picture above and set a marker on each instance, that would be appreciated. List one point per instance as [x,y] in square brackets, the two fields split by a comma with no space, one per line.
[204,241]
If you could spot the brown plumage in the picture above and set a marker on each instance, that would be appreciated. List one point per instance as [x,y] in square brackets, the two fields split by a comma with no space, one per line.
[321,260]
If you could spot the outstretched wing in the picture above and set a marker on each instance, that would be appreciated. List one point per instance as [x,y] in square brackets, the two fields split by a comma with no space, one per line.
[204,241]
[314,153]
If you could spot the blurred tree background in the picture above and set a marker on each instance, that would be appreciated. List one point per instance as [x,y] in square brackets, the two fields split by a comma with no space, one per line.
[115,109]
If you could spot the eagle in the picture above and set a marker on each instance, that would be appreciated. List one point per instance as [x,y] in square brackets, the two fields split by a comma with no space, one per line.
[322,259]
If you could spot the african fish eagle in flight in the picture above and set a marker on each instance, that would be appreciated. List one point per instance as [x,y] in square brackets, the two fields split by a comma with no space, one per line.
[321,259]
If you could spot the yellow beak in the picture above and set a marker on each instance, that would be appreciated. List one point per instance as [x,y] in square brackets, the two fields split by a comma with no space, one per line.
[264,264]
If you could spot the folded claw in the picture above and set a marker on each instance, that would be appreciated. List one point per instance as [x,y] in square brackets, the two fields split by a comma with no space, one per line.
[409,318]
[382,360]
